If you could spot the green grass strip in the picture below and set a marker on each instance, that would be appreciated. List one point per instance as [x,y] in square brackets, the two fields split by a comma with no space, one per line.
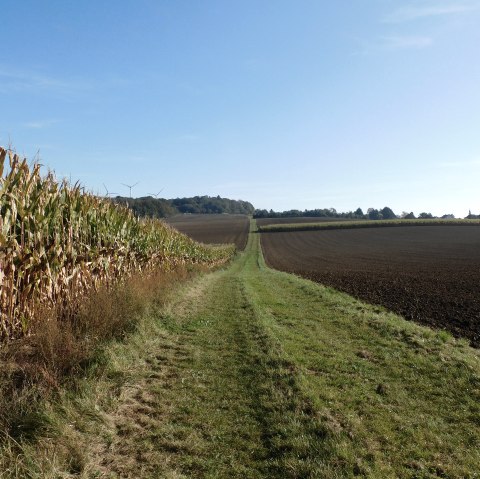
[362,224]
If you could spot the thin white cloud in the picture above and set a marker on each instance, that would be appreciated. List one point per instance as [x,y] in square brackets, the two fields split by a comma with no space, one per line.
[39,124]
[396,43]
[410,13]
[15,80]
[405,42]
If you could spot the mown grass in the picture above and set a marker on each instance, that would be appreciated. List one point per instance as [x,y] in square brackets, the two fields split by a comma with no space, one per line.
[363,224]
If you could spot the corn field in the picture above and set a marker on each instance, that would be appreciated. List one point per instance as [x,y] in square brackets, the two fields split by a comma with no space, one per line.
[57,242]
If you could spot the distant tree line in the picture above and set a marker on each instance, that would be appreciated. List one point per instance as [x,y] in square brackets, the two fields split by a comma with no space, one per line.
[384,213]
[317,213]
[471,216]
[162,208]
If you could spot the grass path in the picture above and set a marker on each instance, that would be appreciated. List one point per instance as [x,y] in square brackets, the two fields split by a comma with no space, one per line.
[216,399]
[255,373]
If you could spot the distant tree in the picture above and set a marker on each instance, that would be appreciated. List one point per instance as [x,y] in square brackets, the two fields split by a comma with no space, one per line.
[425,215]
[292,213]
[373,214]
[387,213]
[161,208]
[188,208]
[260,214]
[409,216]
[448,217]
[471,216]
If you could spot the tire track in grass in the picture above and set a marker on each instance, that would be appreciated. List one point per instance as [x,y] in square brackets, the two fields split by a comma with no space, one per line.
[216,398]
[239,397]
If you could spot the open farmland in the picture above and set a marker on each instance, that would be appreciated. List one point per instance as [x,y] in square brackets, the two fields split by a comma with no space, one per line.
[213,229]
[338,224]
[428,274]
[298,220]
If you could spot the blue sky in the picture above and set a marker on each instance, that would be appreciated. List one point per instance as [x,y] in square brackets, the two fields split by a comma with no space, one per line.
[287,104]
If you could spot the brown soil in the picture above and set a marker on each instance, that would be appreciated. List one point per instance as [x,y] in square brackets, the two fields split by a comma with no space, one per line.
[428,274]
[214,229]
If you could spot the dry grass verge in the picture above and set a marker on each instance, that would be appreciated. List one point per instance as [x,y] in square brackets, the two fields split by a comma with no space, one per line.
[68,341]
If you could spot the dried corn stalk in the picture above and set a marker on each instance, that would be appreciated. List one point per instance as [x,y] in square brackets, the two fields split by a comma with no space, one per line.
[57,242]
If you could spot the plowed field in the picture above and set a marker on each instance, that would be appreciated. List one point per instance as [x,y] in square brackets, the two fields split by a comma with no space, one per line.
[214,229]
[427,274]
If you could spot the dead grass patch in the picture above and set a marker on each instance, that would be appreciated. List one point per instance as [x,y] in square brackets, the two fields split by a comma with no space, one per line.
[69,341]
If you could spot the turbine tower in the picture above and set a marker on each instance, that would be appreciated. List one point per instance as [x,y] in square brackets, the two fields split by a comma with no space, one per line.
[130,187]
